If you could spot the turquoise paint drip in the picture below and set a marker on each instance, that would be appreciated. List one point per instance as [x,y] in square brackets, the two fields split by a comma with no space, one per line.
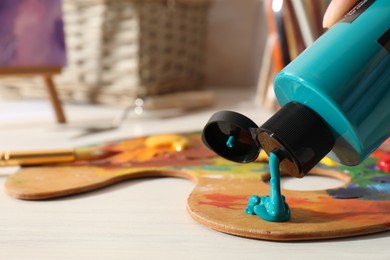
[230,141]
[273,207]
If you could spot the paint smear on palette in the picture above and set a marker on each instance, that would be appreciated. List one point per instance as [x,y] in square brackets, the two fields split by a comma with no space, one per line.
[329,208]
[31,33]
[219,200]
[382,179]
[384,163]
[363,185]
[350,192]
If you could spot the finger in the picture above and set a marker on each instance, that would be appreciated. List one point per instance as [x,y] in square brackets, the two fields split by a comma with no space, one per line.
[336,10]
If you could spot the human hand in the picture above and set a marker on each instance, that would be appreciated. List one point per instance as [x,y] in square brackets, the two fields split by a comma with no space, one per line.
[336,10]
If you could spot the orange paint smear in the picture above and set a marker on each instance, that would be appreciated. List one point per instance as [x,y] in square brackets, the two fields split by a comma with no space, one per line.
[235,202]
[364,211]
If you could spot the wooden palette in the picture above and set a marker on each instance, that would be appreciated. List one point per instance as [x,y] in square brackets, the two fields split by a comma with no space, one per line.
[219,199]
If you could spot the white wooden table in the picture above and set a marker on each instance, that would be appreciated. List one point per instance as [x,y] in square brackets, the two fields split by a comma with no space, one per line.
[137,219]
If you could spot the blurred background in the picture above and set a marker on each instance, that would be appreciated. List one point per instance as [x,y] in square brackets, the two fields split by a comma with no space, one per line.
[125,52]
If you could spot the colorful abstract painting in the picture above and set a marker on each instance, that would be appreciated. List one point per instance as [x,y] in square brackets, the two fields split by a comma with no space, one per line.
[31,33]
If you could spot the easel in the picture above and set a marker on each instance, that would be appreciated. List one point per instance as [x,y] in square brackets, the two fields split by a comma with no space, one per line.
[47,73]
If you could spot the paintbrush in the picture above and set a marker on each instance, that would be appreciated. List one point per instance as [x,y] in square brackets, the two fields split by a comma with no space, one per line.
[23,158]
[277,8]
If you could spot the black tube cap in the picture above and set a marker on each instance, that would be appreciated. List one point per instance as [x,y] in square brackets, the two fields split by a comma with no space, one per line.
[230,135]
[301,133]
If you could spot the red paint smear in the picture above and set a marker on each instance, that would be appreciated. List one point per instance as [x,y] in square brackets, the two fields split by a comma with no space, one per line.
[225,201]
[384,163]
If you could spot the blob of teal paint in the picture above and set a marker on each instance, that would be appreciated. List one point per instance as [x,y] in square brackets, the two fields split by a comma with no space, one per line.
[271,208]
[230,141]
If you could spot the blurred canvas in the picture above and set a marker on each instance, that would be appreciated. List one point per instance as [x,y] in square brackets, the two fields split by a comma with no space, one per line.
[31,33]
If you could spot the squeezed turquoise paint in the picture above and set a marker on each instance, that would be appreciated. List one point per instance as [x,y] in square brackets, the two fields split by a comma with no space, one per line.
[273,207]
[230,141]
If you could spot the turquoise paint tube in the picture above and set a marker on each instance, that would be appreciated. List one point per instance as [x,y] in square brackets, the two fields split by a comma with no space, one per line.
[334,97]
[344,78]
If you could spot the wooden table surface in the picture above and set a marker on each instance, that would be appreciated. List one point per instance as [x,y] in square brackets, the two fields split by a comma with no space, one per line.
[137,219]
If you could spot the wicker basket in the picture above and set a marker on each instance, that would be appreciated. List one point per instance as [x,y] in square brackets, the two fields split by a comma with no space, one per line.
[122,49]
